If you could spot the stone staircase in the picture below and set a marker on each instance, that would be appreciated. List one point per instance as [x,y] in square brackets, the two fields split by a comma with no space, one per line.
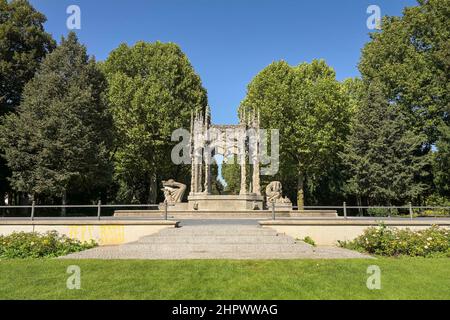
[214,242]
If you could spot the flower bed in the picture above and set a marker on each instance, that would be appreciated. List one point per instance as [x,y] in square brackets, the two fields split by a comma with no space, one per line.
[388,241]
[20,245]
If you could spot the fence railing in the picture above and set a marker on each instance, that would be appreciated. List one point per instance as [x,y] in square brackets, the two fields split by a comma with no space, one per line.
[345,211]
[94,211]
[106,211]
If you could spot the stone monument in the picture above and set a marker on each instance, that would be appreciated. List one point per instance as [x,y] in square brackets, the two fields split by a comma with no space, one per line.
[208,140]
[274,195]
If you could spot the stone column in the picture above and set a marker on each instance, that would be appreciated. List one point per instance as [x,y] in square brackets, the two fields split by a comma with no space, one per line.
[255,141]
[243,174]
[200,177]
[194,177]
[255,180]
[207,157]
[207,151]
[192,146]
[207,178]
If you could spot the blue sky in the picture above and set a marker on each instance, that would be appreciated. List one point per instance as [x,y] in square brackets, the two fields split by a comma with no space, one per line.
[228,41]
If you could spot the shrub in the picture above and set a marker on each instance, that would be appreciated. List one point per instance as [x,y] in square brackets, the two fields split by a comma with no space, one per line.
[35,245]
[386,241]
[436,201]
[382,212]
[309,240]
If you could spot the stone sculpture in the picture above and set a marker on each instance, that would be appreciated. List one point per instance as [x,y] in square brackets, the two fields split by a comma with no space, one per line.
[274,193]
[173,191]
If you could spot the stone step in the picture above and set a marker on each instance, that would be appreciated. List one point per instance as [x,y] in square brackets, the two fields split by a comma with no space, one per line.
[217,248]
[215,242]
[217,239]
[217,232]
[114,254]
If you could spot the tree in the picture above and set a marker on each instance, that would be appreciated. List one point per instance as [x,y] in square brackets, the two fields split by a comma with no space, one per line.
[442,162]
[58,141]
[354,89]
[383,153]
[411,59]
[23,45]
[152,91]
[307,105]
[231,173]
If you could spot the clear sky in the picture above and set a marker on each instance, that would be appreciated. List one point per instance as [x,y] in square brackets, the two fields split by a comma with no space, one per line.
[228,41]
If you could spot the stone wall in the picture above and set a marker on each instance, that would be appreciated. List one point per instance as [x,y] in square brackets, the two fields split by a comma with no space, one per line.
[328,231]
[104,232]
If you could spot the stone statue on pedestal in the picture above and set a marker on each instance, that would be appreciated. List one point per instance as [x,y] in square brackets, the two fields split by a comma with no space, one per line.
[274,193]
[173,191]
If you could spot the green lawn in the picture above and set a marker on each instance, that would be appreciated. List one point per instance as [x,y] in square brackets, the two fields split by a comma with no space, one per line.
[406,278]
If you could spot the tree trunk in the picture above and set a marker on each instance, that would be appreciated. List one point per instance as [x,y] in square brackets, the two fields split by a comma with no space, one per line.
[300,192]
[64,202]
[359,201]
[153,189]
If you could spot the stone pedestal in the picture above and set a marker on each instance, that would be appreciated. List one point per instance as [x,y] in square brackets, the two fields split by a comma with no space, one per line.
[207,202]
[178,206]
[281,206]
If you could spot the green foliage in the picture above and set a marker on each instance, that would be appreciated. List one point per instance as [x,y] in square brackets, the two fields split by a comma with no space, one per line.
[152,91]
[354,89]
[308,106]
[231,173]
[386,241]
[309,240]
[23,45]
[411,58]
[59,140]
[436,200]
[21,245]
[382,212]
[383,155]
[441,163]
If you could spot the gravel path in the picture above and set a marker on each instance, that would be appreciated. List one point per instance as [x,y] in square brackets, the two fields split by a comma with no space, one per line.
[216,241]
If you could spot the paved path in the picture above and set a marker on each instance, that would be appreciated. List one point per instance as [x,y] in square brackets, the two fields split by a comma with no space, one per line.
[216,241]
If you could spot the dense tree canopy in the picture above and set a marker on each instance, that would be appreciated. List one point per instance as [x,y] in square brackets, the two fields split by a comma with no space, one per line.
[411,59]
[383,153]
[152,91]
[307,105]
[23,45]
[59,139]
[442,162]
[231,173]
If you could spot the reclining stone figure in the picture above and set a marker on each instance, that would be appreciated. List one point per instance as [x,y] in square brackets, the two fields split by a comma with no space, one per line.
[173,191]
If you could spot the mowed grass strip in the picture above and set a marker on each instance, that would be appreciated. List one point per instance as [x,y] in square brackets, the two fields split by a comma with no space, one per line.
[403,278]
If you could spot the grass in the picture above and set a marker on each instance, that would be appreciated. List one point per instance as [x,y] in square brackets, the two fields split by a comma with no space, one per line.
[402,278]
